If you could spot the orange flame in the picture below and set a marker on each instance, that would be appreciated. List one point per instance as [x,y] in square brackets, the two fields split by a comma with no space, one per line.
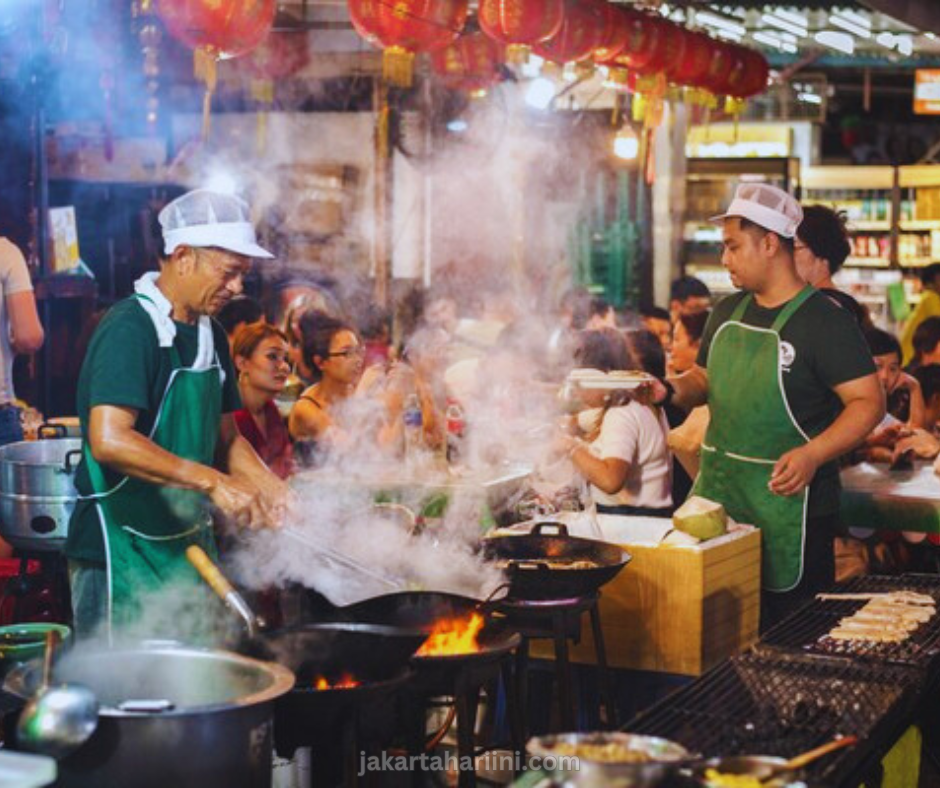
[453,636]
[343,682]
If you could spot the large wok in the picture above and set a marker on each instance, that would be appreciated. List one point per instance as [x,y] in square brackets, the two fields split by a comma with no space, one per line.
[531,578]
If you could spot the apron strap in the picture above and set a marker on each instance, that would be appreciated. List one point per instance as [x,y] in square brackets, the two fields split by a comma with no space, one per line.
[741,308]
[788,311]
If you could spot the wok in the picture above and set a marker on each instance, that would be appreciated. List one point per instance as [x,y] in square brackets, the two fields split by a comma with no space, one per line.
[531,579]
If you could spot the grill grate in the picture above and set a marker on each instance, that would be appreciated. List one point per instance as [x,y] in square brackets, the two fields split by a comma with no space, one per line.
[806,629]
[783,705]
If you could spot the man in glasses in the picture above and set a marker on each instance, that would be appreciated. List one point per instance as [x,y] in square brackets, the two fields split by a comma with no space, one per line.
[155,398]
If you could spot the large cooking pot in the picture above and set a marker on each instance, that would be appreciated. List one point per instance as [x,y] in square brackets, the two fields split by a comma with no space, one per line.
[170,716]
[37,492]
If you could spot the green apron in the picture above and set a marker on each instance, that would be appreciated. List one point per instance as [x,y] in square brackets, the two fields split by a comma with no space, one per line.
[751,427]
[147,527]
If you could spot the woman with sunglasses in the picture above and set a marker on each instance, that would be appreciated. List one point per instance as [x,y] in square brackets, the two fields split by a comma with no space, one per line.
[332,350]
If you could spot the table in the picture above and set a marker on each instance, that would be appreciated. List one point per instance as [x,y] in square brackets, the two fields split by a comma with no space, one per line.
[876,498]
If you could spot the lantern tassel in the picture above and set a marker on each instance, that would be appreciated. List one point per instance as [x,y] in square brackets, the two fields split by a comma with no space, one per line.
[205,69]
[398,66]
[262,91]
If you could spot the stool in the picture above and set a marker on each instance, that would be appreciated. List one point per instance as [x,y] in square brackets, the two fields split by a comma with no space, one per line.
[560,621]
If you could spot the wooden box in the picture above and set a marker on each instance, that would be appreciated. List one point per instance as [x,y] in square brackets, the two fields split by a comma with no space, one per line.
[678,609]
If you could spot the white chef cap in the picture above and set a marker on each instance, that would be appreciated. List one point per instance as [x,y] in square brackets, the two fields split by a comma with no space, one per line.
[203,218]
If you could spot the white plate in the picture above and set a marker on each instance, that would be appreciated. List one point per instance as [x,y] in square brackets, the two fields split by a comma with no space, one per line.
[606,383]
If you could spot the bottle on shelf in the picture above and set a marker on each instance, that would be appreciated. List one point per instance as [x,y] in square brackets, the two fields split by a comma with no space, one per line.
[456,425]
[413,428]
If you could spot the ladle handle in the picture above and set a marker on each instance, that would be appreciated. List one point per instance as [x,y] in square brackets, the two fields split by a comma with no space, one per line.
[52,639]
[807,757]
[222,587]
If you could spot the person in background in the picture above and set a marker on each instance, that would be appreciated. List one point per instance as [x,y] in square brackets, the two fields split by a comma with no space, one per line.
[790,386]
[156,396]
[928,306]
[822,246]
[332,350]
[905,403]
[20,332]
[259,351]
[623,452]
[239,312]
[602,314]
[688,295]
[658,320]
[929,378]
[376,337]
[926,342]
[686,340]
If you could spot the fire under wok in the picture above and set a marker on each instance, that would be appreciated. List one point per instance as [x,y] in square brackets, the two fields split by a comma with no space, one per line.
[546,565]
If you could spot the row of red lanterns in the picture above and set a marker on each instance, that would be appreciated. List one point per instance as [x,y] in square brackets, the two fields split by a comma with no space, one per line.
[625,40]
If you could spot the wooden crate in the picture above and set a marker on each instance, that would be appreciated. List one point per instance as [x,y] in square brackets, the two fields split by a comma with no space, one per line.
[678,609]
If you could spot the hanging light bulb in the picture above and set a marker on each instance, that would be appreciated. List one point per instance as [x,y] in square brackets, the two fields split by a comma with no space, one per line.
[626,143]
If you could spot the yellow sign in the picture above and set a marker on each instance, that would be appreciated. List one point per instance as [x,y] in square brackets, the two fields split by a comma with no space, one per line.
[927,91]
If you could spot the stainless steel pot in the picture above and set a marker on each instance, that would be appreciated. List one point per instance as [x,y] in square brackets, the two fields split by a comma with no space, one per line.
[170,715]
[37,492]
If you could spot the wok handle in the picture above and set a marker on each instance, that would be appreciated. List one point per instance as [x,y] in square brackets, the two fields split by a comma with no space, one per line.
[70,466]
[219,583]
[807,757]
[52,640]
[560,528]
[56,430]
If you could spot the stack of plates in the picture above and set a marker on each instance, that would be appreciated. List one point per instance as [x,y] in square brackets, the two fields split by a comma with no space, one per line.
[617,379]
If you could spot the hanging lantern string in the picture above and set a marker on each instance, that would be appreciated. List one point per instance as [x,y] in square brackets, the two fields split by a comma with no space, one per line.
[402,12]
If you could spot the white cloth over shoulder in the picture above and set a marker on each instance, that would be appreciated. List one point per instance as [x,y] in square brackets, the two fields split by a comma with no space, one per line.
[160,311]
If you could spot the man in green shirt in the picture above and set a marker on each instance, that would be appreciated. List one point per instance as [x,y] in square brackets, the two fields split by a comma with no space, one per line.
[928,306]
[155,398]
[791,386]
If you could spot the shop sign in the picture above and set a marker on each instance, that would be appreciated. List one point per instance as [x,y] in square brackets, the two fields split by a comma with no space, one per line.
[927,91]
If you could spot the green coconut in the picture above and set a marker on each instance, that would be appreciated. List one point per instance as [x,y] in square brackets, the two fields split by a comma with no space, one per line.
[701,518]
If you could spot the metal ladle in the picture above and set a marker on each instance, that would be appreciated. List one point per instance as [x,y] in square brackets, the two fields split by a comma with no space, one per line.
[57,720]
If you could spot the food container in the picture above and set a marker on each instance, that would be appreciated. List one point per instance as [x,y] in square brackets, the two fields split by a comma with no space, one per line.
[23,642]
[628,760]
[740,771]
[170,716]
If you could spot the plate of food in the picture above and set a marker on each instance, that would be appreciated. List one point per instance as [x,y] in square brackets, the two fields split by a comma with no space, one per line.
[615,379]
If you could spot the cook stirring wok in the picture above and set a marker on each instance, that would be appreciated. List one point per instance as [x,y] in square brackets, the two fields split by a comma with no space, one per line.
[155,397]
[791,387]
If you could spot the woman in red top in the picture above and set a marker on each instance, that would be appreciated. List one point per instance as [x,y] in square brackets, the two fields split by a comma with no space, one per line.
[260,353]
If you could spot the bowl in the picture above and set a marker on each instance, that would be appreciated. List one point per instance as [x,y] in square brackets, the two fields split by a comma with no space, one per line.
[737,768]
[573,759]
[21,642]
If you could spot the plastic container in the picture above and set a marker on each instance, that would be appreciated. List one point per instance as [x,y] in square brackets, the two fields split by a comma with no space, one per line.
[22,642]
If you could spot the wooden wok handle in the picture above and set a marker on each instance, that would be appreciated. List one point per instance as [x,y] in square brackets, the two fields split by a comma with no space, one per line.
[209,572]
[807,757]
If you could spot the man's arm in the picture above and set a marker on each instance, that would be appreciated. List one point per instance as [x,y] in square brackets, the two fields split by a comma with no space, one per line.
[864,407]
[691,390]
[114,442]
[26,334]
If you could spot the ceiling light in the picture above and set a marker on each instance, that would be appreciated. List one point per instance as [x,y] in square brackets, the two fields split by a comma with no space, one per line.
[626,144]
[720,22]
[841,42]
[886,39]
[728,35]
[772,40]
[849,25]
[784,24]
[792,16]
[905,45]
[809,98]
[931,36]
[854,17]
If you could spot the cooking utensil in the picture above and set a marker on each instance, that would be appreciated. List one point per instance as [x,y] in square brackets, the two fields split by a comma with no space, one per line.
[574,766]
[37,492]
[342,559]
[22,642]
[531,578]
[57,720]
[223,588]
[170,715]
[766,768]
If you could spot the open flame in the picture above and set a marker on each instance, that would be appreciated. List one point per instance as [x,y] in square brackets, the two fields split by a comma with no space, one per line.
[346,681]
[453,636]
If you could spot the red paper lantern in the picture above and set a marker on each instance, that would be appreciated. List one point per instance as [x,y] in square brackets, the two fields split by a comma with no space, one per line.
[520,24]
[221,28]
[581,32]
[666,49]
[756,70]
[692,66]
[644,42]
[470,64]
[405,27]
[281,55]
[617,35]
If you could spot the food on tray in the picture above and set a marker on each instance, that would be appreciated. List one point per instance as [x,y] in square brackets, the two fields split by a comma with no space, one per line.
[606,752]
[551,563]
[716,779]
[890,617]
[701,518]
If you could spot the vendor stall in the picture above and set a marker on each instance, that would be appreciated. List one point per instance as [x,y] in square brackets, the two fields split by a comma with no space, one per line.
[874,497]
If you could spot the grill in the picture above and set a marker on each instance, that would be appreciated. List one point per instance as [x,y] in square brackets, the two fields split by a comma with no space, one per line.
[806,629]
[783,705]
